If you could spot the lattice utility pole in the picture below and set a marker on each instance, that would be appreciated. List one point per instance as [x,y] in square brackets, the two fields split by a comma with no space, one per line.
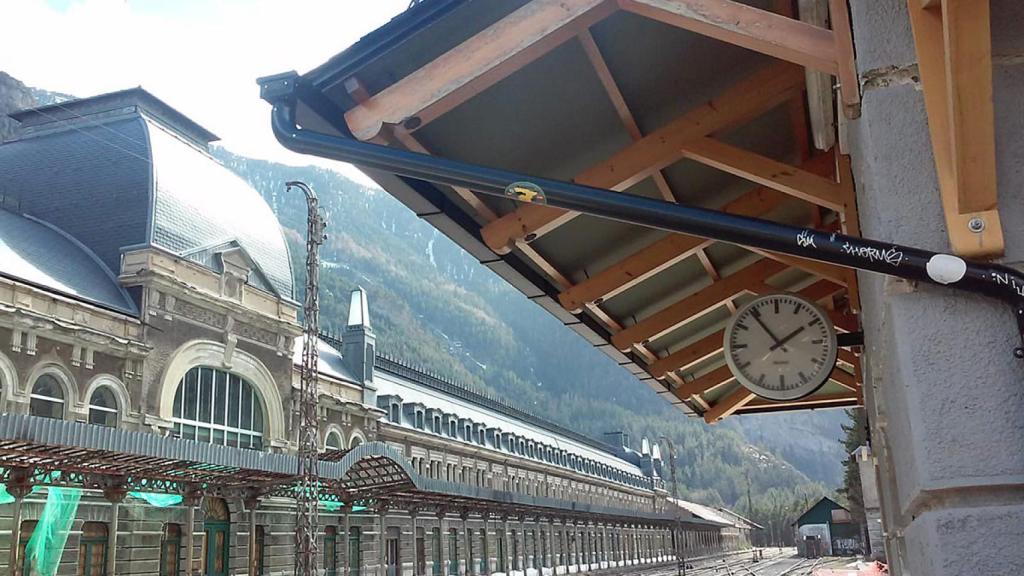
[680,547]
[307,498]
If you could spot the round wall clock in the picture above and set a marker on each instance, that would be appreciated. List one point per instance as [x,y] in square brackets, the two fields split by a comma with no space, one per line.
[781,346]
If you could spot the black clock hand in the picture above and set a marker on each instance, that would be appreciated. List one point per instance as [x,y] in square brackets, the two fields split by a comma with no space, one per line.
[780,343]
[765,328]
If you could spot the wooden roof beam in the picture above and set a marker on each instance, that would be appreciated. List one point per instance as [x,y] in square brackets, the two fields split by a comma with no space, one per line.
[823,401]
[728,404]
[742,102]
[674,248]
[476,64]
[766,172]
[747,26]
[954,53]
[712,344]
[694,305]
[604,74]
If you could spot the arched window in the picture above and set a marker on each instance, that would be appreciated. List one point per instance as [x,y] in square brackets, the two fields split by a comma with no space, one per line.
[103,407]
[356,441]
[215,406]
[333,441]
[47,398]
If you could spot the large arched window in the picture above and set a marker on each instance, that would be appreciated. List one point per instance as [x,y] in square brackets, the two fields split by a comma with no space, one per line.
[47,398]
[215,406]
[103,407]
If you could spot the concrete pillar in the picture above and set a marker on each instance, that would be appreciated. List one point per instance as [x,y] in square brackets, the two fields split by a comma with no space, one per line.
[942,388]
[872,504]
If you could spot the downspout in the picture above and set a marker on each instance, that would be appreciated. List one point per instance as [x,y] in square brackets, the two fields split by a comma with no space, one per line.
[993,280]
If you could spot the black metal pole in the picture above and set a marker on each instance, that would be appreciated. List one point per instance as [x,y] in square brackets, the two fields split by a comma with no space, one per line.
[907,262]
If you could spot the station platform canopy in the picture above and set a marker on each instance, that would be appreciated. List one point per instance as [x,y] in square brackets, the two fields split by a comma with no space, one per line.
[36,451]
[719,104]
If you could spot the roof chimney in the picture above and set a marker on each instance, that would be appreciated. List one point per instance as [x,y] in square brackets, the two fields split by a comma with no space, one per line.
[358,343]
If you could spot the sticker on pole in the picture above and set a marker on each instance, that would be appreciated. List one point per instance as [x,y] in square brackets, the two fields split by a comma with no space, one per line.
[526,192]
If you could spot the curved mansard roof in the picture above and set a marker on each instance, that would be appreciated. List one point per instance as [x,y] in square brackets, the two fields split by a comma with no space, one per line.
[124,170]
[39,254]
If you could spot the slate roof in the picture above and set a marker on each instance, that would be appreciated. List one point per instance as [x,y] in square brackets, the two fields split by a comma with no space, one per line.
[36,253]
[125,170]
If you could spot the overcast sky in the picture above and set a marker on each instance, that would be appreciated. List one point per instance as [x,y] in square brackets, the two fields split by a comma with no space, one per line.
[200,56]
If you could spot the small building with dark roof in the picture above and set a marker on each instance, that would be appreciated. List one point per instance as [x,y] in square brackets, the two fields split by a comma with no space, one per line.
[827,529]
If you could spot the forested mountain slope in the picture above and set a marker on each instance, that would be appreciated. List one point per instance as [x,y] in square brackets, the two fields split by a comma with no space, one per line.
[436,306]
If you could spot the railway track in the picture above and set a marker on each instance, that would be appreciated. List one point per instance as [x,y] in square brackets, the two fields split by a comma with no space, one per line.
[782,564]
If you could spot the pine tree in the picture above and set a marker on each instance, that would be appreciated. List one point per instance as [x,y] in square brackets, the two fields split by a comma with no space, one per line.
[856,436]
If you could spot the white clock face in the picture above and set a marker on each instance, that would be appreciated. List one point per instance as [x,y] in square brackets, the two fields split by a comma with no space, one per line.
[781,346]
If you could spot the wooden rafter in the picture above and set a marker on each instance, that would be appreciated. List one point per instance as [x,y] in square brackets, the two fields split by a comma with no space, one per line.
[822,401]
[954,53]
[765,171]
[619,103]
[696,304]
[741,397]
[674,248]
[746,26]
[742,102]
[476,64]
[712,344]
[774,34]
[728,404]
[704,383]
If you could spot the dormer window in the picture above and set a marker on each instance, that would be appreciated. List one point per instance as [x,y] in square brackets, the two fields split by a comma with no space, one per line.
[419,419]
[452,428]
[437,424]
[396,412]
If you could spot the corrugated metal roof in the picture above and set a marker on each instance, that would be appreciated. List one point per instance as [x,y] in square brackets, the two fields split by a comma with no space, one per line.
[59,444]
[37,253]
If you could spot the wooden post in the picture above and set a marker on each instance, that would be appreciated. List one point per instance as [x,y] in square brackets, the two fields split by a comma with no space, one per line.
[19,487]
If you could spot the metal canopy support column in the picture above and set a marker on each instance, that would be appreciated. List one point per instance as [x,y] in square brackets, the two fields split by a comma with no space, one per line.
[469,543]
[347,509]
[441,540]
[190,500]
[486,552]
[251,503]
[381,541]
[115,495]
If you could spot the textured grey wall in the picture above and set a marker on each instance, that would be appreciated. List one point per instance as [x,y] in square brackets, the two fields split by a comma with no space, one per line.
[947,395]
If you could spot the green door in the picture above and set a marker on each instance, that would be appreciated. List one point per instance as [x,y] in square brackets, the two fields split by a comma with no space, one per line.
[217,548]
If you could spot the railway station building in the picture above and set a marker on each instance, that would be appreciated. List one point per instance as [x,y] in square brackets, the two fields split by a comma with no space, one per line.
[148,374]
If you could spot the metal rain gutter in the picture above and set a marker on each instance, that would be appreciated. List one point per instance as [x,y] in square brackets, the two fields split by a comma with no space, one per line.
[993,280]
